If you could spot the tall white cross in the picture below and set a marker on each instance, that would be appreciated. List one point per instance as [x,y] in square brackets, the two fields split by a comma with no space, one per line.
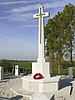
[41,17]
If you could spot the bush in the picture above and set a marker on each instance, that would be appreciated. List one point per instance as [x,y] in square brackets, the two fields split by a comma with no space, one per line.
[6,65]
[66,64]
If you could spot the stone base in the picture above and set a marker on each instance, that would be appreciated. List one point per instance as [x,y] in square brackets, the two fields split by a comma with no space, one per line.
[41,67]
[41,85]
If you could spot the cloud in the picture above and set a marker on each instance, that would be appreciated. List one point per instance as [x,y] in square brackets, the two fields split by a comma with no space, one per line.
[24,9]
[4,17]
[30,26]
[59,3]
[13,2]
[55,4]
[24,13]
[21,17]
[18,17]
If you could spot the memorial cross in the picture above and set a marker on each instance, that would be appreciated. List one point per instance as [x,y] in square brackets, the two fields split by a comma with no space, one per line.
[41,43]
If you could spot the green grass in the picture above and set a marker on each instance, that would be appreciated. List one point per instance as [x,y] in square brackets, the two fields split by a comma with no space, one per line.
[62,71]
[22,63]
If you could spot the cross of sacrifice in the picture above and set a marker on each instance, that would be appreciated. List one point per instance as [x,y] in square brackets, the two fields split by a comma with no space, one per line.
[41,17]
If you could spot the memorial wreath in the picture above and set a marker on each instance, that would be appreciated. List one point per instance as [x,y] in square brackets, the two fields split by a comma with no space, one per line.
[38,76]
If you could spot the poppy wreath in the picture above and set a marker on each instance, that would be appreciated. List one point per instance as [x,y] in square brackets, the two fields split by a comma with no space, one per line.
[38,76]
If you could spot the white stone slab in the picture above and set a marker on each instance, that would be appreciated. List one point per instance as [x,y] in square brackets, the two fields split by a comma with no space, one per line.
[73,83]
[1,73]
[70,72]
[42,96]
[16,70]
[63,93]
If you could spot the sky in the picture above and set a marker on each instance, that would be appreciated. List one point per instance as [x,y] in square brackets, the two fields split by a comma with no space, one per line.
[19,30]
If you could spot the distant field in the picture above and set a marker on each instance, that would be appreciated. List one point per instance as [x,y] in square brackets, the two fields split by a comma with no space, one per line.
[26,67]
[22,63]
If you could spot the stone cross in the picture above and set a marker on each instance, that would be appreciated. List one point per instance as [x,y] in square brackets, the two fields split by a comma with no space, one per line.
[41,17]
[41,66]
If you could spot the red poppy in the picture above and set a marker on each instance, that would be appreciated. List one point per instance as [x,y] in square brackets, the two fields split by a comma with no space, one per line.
[38,76]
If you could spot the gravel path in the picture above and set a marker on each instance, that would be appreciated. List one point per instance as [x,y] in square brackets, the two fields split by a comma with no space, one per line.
[5,91]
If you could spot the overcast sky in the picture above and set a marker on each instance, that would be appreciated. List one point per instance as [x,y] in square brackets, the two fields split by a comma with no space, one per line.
[18,29]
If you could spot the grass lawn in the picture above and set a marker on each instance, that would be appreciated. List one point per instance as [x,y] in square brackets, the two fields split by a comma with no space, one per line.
[22,63]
